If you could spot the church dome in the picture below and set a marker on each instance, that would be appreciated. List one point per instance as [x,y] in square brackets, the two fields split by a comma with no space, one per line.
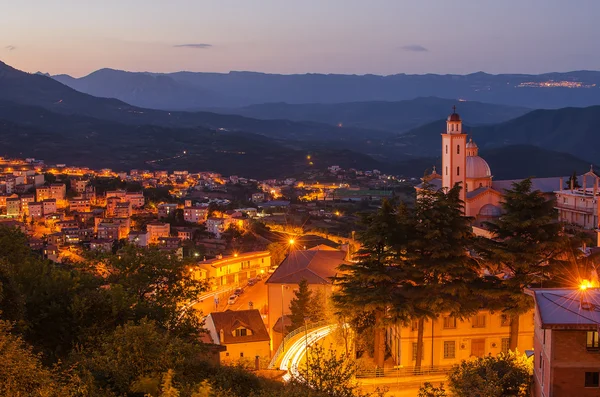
[477,168]
[454,117]
[471,144]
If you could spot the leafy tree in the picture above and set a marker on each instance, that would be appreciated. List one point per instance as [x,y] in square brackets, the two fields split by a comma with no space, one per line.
[429,390]
[527,248]
[507,375]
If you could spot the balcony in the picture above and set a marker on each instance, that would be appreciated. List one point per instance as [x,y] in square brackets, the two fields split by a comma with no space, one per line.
[574,208]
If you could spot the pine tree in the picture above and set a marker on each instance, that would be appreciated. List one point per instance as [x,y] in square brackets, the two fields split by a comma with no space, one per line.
[300,305]
[441,274]
[527,247]
[572,180]
[370,286]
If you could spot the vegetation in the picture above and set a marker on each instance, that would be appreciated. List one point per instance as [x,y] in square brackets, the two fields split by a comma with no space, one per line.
[507,375]
[306,307]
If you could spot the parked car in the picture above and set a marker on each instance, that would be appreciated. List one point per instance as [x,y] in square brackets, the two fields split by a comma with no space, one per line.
[232,299]
[251,282]
[238,291]
[272,269]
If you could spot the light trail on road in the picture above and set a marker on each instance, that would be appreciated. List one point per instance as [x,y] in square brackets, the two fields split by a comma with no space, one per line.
[297,350]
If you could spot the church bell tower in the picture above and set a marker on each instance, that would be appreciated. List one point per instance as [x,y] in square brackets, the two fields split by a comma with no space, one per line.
[454,154]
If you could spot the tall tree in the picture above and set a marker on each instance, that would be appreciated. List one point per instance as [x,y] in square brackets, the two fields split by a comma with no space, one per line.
[442,272]
[527,248]
[370,285]
[572,182]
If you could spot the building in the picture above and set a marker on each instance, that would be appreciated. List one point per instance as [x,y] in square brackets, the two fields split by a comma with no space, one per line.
[58,191]
[243,332]
[566,345]
[13,207]
[25,200]
[123,210]
[123,225]
[79,205]
[49,206]
[578,206]
[136,199]
[166,210]
[169,243]
[258,197]
[461,164]
[156,230]
[316,266]
[101,245]
[111,206]
[36,210]
[108,231]
[215,226]
[235,270]
[195,214]
[139,238]
[449,340]
[79,185]
[43,193]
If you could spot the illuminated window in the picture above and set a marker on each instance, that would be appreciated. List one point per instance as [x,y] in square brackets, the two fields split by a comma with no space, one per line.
[592,340]
[449,349]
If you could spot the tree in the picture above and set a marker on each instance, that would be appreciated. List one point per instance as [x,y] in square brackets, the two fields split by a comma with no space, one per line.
[300,305]
[572,182]
[440,273]
[370,286]
[527,246]
[429,390]
[507,375]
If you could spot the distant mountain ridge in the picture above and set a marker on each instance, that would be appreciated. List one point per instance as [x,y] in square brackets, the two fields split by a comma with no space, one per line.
[191,90]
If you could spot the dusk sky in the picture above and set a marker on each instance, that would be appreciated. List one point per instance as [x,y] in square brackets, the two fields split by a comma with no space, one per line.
[286,36]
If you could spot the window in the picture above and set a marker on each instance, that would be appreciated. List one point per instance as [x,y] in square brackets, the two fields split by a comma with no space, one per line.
[414,325]
[592,340]
[414,352]
[505,345]
[446,170]
[446,149]
[242,332]
[241,354]
[504,320]
[478,321]
[457,149]
[592,379]
[457,170]
[449,322]
[449,349]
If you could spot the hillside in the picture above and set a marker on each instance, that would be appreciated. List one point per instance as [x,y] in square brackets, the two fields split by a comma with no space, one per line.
[236,89]
[396,117]
[39,90]
[510,162]
[568,130]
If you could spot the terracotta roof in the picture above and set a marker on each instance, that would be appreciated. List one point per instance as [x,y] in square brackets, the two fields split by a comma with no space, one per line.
[230,320]
[567,308]
[315,266]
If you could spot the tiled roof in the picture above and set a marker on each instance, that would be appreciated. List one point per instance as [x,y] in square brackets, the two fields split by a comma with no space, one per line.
[315,266]
[230,320]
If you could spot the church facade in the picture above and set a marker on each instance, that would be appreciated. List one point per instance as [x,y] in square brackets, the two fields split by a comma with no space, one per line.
[461,164]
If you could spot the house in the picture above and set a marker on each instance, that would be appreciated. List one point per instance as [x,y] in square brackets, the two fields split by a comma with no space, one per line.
[166,210]
[169,243]
[108,231]
[43,193]
[215,226]
[79,205]
[25,200]
[111,206]
[103,245]
[123,224]
[258,197]
[136,199]
[195,214]
[58,191]
[235,270]
[139,238]
[579,205]
[51,252]
[79,185]
[448,340]
[185,233]
[49,206]
[13,207]
[123,209]
[316,266]
[566,344]
[156,230]
[243,332]
[36,210]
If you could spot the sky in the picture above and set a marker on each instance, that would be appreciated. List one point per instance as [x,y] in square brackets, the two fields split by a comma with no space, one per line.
[300,36]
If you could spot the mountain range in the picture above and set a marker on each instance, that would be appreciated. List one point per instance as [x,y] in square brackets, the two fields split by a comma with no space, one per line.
[196,90]
[40,117]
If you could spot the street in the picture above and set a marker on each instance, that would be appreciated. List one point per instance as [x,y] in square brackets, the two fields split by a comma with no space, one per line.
[257,294]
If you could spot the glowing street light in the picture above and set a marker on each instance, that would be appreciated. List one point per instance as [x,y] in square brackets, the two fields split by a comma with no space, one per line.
[585,284]
[292,241]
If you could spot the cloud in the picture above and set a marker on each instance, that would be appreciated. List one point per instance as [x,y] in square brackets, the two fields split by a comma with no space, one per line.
[197,46]
[10,47]
[414,48]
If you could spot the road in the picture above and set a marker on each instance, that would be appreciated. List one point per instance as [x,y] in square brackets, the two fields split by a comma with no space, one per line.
[257,294]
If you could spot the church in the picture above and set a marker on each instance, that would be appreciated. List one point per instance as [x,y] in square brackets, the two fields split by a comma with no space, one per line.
[462,164]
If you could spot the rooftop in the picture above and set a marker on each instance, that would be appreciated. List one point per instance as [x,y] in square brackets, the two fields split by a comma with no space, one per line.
[314,266]
[565,308]
[230,320]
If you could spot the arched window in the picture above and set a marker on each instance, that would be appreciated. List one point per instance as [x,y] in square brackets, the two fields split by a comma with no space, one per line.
[457,170]
[457,149]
